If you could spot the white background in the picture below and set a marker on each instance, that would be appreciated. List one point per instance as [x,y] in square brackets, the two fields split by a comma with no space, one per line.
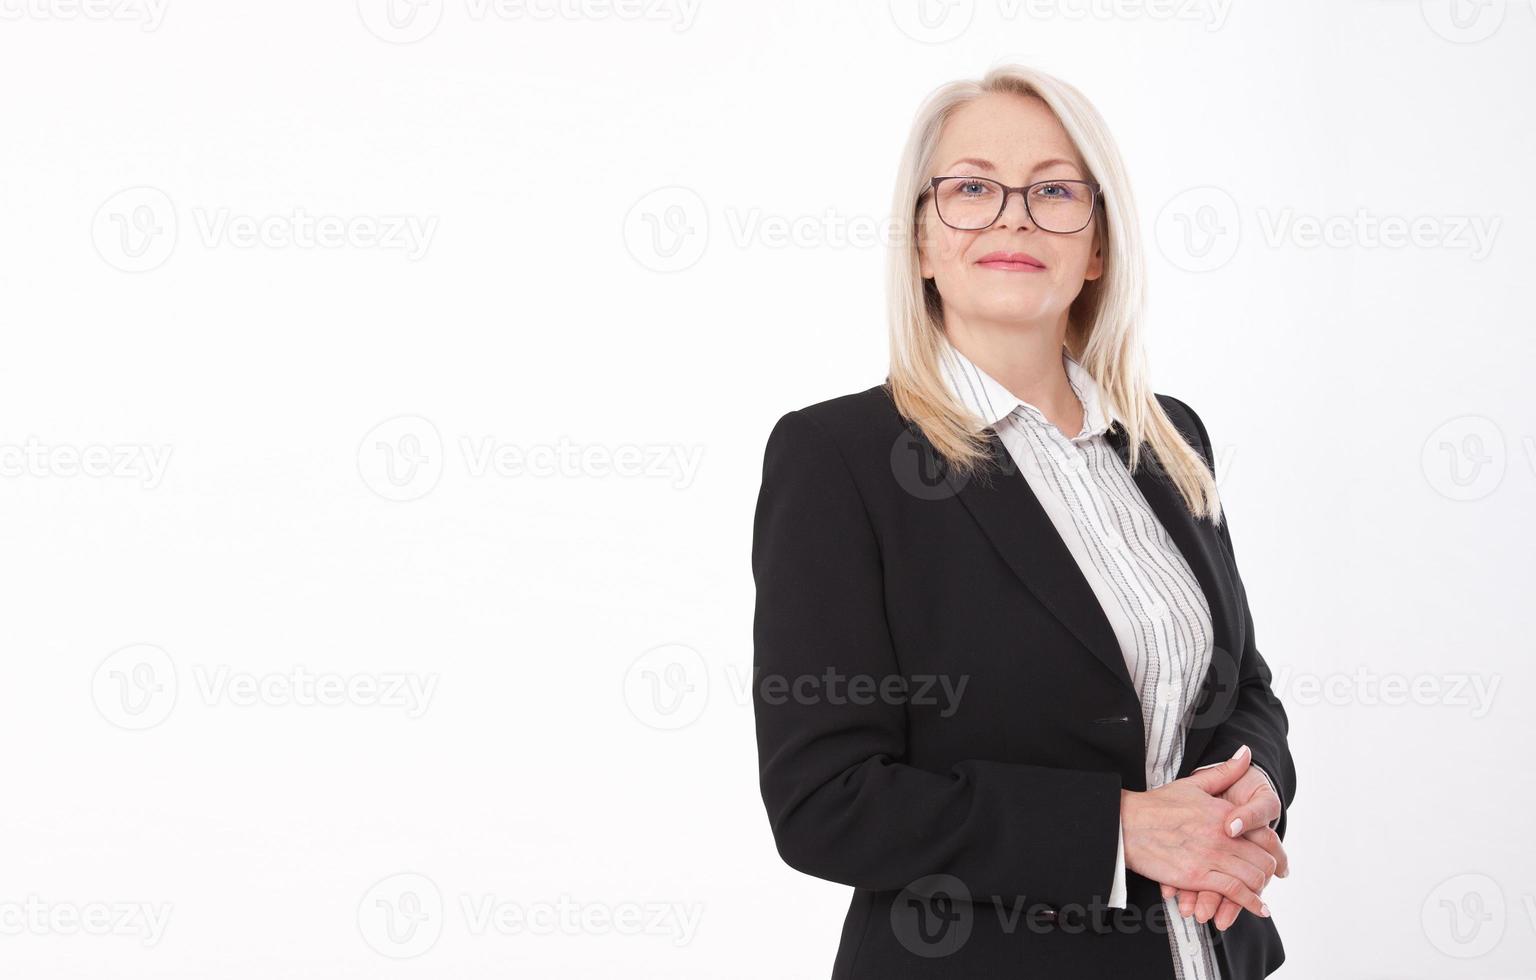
[296,428]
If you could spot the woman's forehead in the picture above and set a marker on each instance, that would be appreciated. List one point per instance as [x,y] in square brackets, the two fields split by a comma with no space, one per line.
[1005,136]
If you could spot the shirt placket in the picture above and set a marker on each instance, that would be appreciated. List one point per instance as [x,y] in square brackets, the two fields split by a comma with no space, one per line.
[1186,944]
[1043,444]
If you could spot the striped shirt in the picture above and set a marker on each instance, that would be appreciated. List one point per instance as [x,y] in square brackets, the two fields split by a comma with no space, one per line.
[1150,596]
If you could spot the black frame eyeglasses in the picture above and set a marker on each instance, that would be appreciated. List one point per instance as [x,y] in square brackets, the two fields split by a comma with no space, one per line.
[1093,189]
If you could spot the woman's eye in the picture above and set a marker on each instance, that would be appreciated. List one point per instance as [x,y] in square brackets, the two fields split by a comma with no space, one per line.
[973,187]
[1055,190]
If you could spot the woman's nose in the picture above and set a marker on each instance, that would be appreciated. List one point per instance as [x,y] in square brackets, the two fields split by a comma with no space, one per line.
[1014,213]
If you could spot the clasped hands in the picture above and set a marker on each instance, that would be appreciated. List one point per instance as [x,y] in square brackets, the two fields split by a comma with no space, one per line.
[1206,838]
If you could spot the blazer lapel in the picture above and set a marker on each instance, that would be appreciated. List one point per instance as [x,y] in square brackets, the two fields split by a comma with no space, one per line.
[1198,543]
[1003,504]
[1008,511]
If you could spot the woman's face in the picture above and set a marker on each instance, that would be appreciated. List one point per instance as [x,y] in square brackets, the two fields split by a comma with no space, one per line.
[1016,140]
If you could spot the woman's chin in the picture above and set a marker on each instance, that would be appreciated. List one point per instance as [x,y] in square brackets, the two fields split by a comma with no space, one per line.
[1020,305]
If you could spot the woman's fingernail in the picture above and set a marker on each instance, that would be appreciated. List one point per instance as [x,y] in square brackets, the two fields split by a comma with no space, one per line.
[1239,753]
[1235,827]
[1264,910]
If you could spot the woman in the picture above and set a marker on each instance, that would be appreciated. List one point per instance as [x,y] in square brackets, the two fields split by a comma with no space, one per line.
[1006,682]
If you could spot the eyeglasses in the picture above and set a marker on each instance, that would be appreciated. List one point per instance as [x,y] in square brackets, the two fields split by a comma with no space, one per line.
[972,203]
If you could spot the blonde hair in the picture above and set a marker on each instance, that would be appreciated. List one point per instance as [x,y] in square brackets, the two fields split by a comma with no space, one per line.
[1104,322]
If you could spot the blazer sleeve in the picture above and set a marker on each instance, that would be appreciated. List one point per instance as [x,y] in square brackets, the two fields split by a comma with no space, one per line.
[1258,719]
[843,802]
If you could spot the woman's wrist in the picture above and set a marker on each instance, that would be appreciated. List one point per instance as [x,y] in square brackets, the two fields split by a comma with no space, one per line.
[1129,799]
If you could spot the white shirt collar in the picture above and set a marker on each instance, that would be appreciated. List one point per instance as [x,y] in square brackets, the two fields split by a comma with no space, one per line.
[986,398]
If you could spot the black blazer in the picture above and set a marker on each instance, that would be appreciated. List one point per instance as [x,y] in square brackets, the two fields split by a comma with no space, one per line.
[977,827]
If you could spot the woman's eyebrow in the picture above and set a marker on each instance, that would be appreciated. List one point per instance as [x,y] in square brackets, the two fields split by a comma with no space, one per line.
[987,164]
[982,164]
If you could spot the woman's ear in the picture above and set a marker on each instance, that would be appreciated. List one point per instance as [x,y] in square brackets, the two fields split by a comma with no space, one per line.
[1096,261]
[924,267]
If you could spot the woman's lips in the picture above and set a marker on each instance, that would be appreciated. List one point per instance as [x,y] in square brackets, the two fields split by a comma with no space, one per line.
[1014,266]
[1011,261]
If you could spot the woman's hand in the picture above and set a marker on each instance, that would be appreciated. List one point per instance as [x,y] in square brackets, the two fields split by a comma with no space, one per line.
[1254,804]
[1177,834]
